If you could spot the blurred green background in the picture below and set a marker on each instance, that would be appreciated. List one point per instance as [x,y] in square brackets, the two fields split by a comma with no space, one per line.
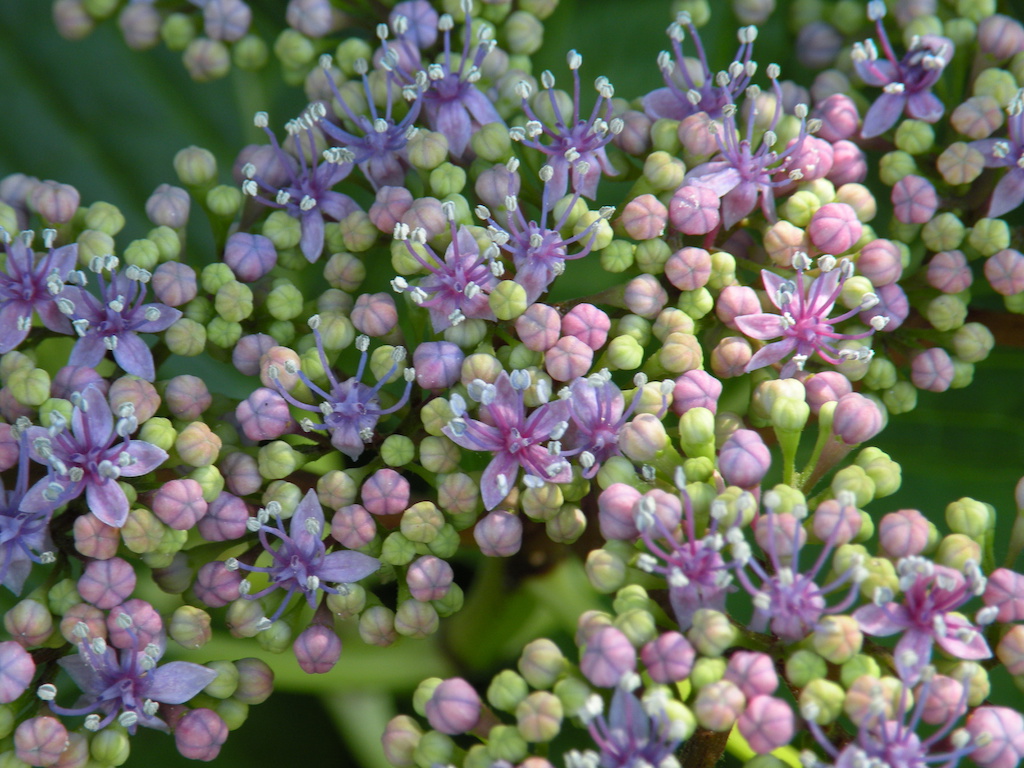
[108,120]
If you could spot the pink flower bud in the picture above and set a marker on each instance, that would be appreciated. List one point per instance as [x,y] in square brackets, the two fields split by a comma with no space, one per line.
[753,672]
[834,228]
[825,387]
[849,164]
[892,304]
[437,364]
[83,613]
[839,117]
[168,206]
[1003,746]
[696,389]
[57,203]
[744,459]
[538,327]
[668,658]
[249,351]
[1005,272]
[1010,650]
[454,707]
[734,301]
[200,734]
[353,527]
[495,184]
[385,492]
[608,656]
[179,503]
[146,625]
[426,212]
[106,583]
[695,135]
[249,256]
[1000,36]
[616,516]
[694,210]
[317,649]
[835,523]
[375,314]
[880,262]
[186,397]
[264,415]
[588,324]
[94,538]
[635,138]
[730,356]
[644,218]
[40,741]
[645,296]
[949,272]
[568,359]
[429,578]
[1005,589]
[391,204]
[215,585]
[914,200]
[903,533]
[499,534]
[767,723]
[718,705]
[16,671]
[814,158]
[856,419]
[932,370]
[688,268]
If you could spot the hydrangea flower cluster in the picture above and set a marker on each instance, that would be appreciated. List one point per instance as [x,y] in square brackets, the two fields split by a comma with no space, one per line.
[606,444]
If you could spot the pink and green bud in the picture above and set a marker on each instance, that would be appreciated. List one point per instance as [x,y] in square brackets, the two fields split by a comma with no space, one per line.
[244,618]
[415,619]
[255,681]
[539,717]
[400,739]
[200,734]
[347,603]
[174,283]
[821,701]
[421,523]
[377,626]
[960,163]
[712,633]
[643,438]
[499,534]
[427,150]
[932,370]
[719,705]
[541,663]
[190,627]
[186,338]
[40,741]
[386,492]
[837,639]
[317,649]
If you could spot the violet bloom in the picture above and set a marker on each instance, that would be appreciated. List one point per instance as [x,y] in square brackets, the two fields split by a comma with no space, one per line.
[635,733]
[89,457]
[697,574]
[380,151]
[300,563]
[457,286]
[893,742]
[29,283]
[929,614]
[308,195]
[1007,153]
[24,538]
[113,320]
[804,324]
[683,95]
[739,174]
[907,82]
[788,601]
[598,413]
[452,103]
[127,684]
[575,144]
[515,439]
[350,409]
[539,252]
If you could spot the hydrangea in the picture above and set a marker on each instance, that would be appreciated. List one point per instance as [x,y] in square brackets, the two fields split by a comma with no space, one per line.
[24,536]
[28,285]
[1007,153]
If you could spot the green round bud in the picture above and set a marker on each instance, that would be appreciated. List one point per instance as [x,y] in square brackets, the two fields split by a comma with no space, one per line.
[539,717]
[167,242]
[651,256]
[93,243]
[447,179]
[696,303]
[226,682]
[707,671]
[210,480]
[800,207]
[973,342]
[946,312]
[855,480]
[723,270]
[416,619]
[190,628]
[504,742]
[894,166]
[142,253]
[883,471]
[492,143]
[902,398]
[507,690]
[712,633]
[422,522]
[997,83]
[284,302]
[915,137]
[348,602]
[62,596]
[989,236]
[453,599]
[837,639]
[433,748]
[881,374]
[7,723]
[29,386]
[186,338]
[567,525]
[293,49]
[358,232]
[224,201]
[206,59]
[541,663]
[215,276]
[159,431]
[177,31]
[423,693]
[282,230]
[398,550]
[446,543]
[969,517]
[956,549]
[638,625]
[804,666]
[573,693]
[427,150]
[821,701]
[110,746]
[142,531]
[105,218]
[661,170]
[605,570]
[223,333]
[857,666]
[697,433]
[195,166]
[524,33]
[508,300]
[397,450]
[596,228]
[277,460]
[617,256]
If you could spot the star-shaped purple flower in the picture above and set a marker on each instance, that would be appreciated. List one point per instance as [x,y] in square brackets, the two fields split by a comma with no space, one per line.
[300,562]
[907,82]
[89,457]
[128,684]
[1007,153]
[114,320]
[24,538]
[932,597]
[29,283]
[516,440]
[634,733]
[804,324]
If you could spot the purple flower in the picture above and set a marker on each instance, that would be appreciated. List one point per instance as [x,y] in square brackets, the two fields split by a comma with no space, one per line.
[516,440]
[307,195]
[789,601]
[24,538]
[907,82]
[300,563]
[452,103]
[739,173]
[634,733]
[458,285]
[126,685]
[89,457]
[380,151]
[538,252]
[575,143]
[1007,153]
[350,409]
[682,96]
[114,320]
[932,597]
[804,324]
[29,283]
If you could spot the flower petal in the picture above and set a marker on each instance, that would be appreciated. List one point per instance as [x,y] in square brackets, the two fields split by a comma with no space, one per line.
[346,567]
[761,326]
[147,457]
[107,501]
[883,114]
[134,357]
[178,681]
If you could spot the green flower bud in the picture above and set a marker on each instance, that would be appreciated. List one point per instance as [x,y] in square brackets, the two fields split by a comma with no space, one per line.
[617,256]
[233,712]
[507,690]
[956,549]
[789,414]
[226,682]
[963,374]
[973,342]
[804,666]
[447,179]
[398,550]
[881,374]
[416,619]
[857,666]
[541,663]
[637,327]
[435,414]
[223,333]
[93,243]
[915,137]
[29,386]
[681,352]
[567,525]
[886,473]
[491,143]
[712,634]
[200,310]
[427,150]
[206,59]
[167,242]
[423,693]
[397,450]
[277,638]
[210,480]
[446,543]
[216,276]
[293,49]
[433,748]
[282,230]
[837,638]
[142,531]
[662,171]
[997,83]
[946,312]
[707,671]
[800,207]
[7,723]
[599,229]
[9,221]
[277,460]
[284,302]
[524,33]
[345,271]
[190,628]
[989,236]
[723,270]
[605,570]
[651,256]
[177,31]
[142,253]
[508,300]
[969,517]
[902,398]
[855,480]
[696,303]
[894,166]
[822,701]
[110,746]
[160,432]
[105,218]
[358,232]
[539,717]
[250,54]
[638,625]
[62,596]
[697,433]
[625,353]
[421,522]
[881,573]
[453,599]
